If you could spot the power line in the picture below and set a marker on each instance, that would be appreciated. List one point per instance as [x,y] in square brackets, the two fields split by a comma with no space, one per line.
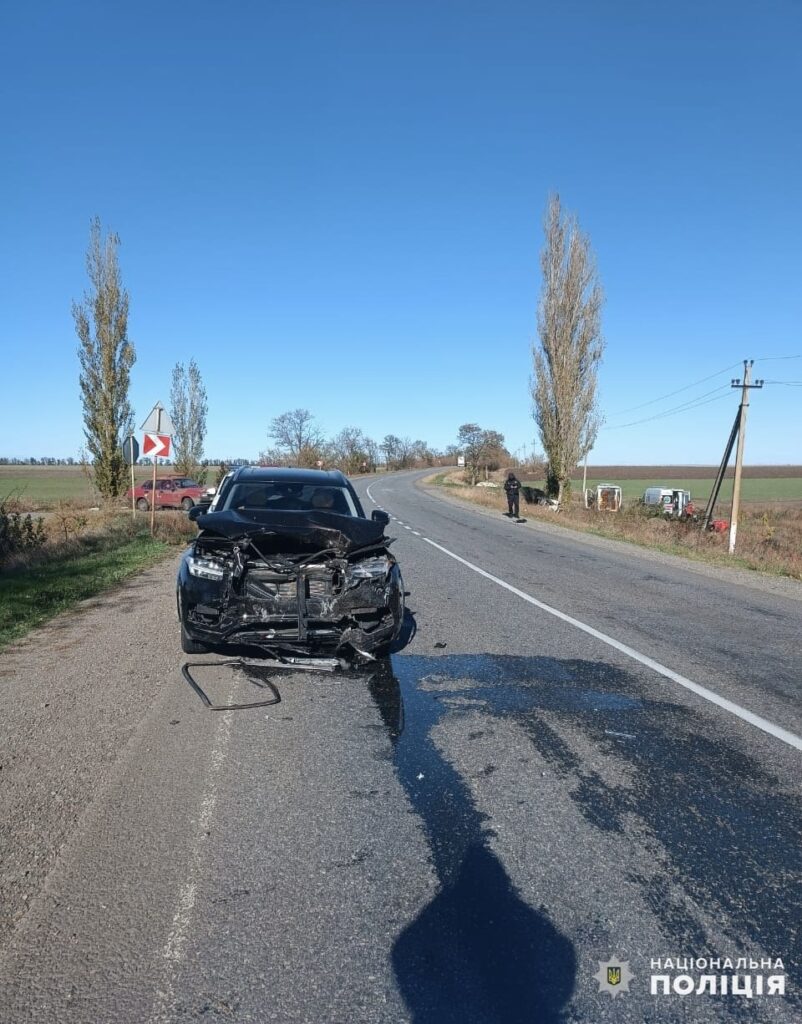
[671,394]
[694,403]
[787,383]
[774,359]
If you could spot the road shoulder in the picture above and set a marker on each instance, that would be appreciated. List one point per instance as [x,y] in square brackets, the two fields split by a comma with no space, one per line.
[76,691]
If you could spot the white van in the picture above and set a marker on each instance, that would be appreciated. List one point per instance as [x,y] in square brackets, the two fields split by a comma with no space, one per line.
[671,500]
[658,496]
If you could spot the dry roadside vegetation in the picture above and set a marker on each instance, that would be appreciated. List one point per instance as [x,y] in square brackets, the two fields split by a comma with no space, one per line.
[769,539]
[48,565]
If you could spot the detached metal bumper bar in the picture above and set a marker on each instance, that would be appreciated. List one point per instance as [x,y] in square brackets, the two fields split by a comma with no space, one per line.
[286,661]
[264,684]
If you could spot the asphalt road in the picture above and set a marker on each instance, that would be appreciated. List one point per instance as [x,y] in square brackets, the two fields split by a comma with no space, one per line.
[462,835]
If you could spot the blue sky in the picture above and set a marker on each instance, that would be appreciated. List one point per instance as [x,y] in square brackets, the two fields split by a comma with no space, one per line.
[337,205]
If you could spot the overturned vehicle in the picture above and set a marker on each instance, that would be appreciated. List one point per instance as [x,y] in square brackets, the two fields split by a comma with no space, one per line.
[286,560]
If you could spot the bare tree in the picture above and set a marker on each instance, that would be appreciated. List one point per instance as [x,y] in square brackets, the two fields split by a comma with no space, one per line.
[106,356]
[422,454]
[352,450]
[471,440]
[493,451]
[188,408]
[390,446]
[371,455]
[298,440]
[567,356]
[399,452]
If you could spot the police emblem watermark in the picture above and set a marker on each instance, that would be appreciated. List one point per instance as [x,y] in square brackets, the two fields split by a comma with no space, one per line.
[614,976]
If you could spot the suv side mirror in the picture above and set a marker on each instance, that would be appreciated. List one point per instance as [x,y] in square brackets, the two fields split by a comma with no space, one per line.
[379,517]
[198,510]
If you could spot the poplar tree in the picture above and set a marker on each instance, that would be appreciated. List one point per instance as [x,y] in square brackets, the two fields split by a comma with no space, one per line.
[569,349]
[106,357]
[188,409]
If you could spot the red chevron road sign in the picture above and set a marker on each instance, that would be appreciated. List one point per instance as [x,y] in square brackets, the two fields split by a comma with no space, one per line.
[156,445]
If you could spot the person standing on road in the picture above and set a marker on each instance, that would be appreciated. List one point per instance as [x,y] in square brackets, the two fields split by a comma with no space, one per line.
[512,485]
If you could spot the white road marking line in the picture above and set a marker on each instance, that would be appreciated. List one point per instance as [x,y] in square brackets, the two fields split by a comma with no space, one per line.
[727,705]
[414,532]
[175,946]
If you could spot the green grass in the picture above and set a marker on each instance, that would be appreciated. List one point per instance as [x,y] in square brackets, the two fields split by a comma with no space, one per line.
[43,486]
[752,489]
[441,480]
[31,596]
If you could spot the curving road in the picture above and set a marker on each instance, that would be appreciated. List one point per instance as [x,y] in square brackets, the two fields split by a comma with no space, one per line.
[583,754]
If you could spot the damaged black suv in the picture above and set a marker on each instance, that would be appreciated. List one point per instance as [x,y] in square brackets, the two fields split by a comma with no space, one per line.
[286,560]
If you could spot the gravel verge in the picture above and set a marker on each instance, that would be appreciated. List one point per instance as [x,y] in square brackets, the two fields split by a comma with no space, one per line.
[75,691]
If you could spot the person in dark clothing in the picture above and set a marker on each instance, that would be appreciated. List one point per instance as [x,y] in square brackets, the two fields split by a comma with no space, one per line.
[512,485]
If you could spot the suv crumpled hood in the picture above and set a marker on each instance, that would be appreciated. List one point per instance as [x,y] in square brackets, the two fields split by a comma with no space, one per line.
[317,528]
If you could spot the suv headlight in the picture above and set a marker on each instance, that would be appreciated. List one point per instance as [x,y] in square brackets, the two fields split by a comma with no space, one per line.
[371,568]
[207,568]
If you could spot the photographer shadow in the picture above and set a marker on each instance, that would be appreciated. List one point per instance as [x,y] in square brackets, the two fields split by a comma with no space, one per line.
[478,953]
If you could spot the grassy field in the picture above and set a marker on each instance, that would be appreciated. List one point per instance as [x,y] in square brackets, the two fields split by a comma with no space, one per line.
[654,473]
[763,489]
[37,486]
[40,487]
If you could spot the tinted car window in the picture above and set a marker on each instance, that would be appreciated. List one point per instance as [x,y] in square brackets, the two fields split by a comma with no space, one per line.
[288,497]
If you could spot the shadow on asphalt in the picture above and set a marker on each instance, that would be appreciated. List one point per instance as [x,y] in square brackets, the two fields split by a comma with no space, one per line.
[478,951]
[728,827]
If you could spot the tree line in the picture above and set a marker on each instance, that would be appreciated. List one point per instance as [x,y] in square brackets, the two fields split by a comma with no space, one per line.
[296,439]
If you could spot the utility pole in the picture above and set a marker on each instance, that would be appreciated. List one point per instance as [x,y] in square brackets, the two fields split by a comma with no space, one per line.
[722,469]
[745,387]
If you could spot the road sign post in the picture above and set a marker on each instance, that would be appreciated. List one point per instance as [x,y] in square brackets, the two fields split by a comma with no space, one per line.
[130,455]
[155,445]
[158,429]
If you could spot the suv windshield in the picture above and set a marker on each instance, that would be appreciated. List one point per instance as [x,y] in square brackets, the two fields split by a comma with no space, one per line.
[281,496]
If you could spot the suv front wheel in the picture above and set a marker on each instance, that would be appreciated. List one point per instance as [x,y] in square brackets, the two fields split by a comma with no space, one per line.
[188,645]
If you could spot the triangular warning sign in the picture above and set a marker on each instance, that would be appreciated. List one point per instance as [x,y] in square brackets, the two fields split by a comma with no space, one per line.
[158,421]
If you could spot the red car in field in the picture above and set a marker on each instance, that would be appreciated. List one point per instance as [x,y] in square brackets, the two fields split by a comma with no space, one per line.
[171,492]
